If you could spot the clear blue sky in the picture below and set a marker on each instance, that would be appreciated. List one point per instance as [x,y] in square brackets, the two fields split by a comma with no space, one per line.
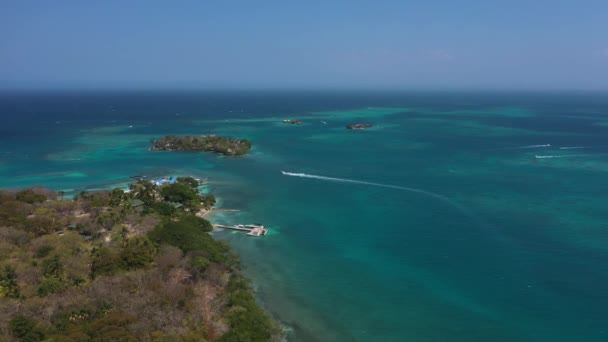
[415,44]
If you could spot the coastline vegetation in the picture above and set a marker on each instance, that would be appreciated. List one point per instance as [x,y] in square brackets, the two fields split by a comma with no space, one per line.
[121,266]
[203,143]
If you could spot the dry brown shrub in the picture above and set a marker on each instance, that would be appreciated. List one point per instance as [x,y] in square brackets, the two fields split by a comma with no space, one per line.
[168,258]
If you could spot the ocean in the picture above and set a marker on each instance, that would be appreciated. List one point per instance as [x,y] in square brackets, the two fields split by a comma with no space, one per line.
[459,216]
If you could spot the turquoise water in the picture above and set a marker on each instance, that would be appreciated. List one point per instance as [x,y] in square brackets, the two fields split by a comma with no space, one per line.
[457,217]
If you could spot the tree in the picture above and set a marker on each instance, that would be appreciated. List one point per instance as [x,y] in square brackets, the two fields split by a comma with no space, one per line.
[209,201]
[190,181]
[163,209]
[198,266]
[53,267]
[248,322]
[12,213]
[189,235]
[108,219]
[124,235]
[178,192]
[143,190]
[8,283]
[104,261]
[50,285]
[44,221]
[78,281]
[24,329]
[116,197]
[43,251]
[29,196]
[138,252]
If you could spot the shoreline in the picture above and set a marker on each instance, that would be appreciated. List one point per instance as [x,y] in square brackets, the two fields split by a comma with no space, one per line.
[205,212]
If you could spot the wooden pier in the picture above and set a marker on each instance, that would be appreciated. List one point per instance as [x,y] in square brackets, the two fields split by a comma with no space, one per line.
[232,227]
[253,231]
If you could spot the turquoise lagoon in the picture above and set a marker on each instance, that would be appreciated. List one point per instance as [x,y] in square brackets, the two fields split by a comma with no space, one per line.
[457,217]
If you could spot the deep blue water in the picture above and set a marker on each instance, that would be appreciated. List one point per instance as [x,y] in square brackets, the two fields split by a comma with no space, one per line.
[496,228]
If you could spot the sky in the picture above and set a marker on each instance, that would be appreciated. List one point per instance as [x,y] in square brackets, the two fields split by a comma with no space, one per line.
[415,44]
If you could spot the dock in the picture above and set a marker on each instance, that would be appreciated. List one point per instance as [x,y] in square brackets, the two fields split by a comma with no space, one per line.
[251,229]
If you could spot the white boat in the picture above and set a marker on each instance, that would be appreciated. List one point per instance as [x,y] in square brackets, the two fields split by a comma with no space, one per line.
[258,231]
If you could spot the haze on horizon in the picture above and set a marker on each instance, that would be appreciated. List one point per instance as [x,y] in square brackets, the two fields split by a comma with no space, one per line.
[418,44]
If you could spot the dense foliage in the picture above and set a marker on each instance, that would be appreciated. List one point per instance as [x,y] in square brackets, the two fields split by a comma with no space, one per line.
[203,143]
[186,234]
[103,267]
[181,193]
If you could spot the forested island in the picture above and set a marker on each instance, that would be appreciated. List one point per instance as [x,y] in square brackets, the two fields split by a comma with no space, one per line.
[359,126]
[121,266]
[293,122]
[203,143]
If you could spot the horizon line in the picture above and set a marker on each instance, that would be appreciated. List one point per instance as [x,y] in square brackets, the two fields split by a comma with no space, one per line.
[300,89]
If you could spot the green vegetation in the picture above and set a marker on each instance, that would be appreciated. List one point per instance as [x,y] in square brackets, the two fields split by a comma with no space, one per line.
[104,261]
[25,329]
[181,193]
[203,143]
[8,283]
[247,319]
[138,252]
[29,196]
[208,201]
[43,251]
[186,234]
[103,267]
[50,285]
[167,199]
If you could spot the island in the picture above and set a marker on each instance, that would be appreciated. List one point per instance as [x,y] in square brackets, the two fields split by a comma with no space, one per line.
[135,265]
[293,122]
[359,126]
[202,143]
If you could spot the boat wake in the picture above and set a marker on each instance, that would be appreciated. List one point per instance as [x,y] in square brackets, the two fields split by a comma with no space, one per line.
[345,180]
[442,198]
[560,156]
[524,147]
[534,146]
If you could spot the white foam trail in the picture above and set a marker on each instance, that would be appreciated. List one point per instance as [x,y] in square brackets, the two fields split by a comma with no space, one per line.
[535,146]
[524,147]
[560,156]
[571,147]
[397,187]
